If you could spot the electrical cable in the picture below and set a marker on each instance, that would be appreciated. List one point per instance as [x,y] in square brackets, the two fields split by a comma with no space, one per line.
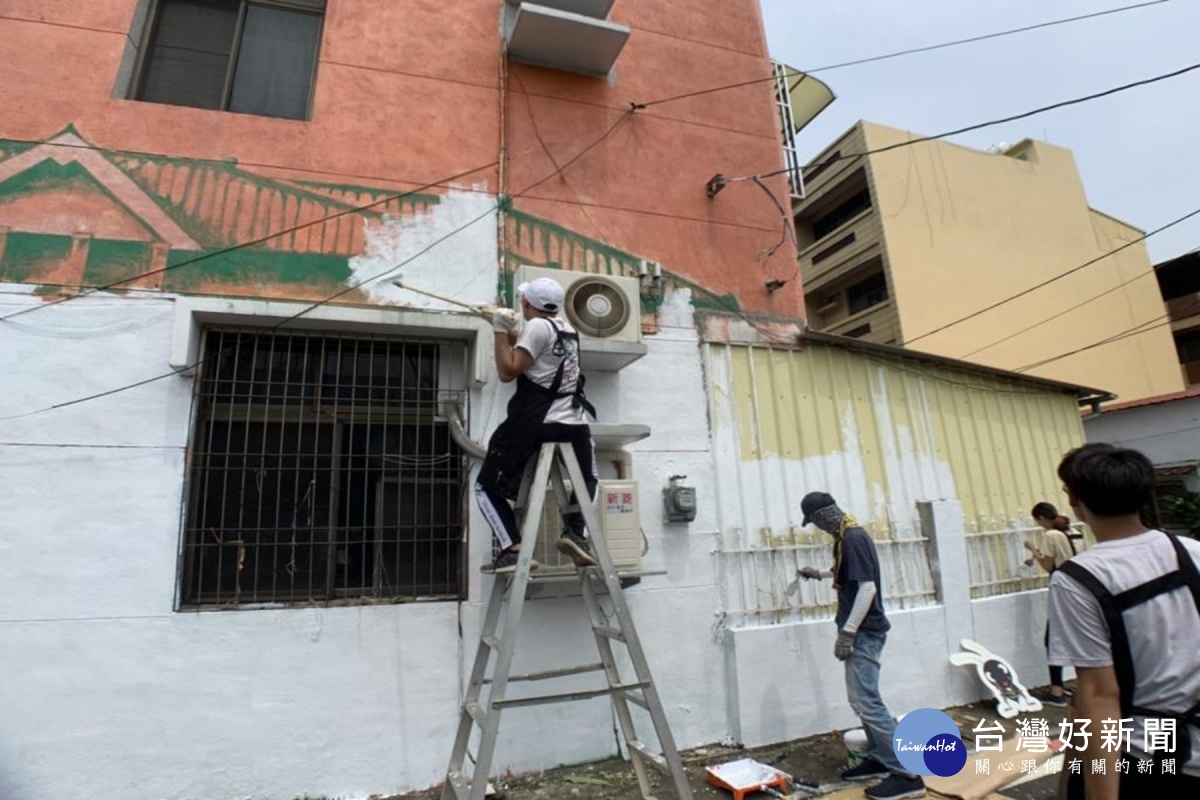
[910,51]
[546,148]
[1136,330]
[240,245]
[968,128]
[1047,282]
[277,325]
[318,304]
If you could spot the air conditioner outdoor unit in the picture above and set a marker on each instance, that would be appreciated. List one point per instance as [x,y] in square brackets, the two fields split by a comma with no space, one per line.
[605,309]
[617,505]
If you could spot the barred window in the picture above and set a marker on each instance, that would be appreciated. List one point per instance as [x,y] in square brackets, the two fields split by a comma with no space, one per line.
[322,470]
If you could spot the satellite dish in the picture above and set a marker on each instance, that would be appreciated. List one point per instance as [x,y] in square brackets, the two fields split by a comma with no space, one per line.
[597,307]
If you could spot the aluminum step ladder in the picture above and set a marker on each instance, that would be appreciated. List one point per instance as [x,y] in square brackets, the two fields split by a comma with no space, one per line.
[486,697]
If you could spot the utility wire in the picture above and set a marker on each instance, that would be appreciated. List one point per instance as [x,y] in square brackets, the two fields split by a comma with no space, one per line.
[223,162]
[242,245]
[911,51]
[318,304]
[1136,330]
[967,129]
[1047,282]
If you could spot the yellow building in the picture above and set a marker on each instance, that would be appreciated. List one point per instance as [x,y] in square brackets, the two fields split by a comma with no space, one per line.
[898,246]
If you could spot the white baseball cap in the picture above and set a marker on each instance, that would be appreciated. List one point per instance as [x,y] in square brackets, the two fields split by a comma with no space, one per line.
[544,294]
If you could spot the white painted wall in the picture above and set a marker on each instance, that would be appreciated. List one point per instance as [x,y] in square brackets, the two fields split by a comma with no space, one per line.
[107,692]
[1168,433]
[787,684]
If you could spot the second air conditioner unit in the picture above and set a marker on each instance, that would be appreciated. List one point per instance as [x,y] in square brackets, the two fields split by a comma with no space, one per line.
[617,506]
[605,309]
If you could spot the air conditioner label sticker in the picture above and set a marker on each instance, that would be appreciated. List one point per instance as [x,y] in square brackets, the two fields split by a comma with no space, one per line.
[618,502]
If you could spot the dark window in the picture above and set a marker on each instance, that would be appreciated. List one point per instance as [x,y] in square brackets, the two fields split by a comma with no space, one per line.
[1188,345]
[859,332]
[843,213]
[321,470]
[833,249]
[866,293]
[236,55]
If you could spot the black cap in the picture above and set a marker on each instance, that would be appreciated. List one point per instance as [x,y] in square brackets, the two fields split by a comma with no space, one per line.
[814,502]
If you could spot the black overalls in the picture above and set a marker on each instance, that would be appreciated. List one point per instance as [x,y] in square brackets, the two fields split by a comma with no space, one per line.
[523,432]
[1114,607]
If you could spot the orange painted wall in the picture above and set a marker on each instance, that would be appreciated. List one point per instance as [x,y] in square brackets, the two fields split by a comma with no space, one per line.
[409,92]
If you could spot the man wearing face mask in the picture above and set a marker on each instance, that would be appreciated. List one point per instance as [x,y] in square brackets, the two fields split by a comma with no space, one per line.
[862,632]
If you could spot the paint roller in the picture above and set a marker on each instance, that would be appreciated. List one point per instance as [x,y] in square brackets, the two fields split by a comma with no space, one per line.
[482,309]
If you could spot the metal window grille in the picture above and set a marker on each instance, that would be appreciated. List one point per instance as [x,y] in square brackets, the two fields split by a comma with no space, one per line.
[791,154]
[1000,564]
[322,471]
[757,576]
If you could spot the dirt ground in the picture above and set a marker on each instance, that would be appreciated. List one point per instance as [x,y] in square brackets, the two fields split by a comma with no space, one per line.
[817,759]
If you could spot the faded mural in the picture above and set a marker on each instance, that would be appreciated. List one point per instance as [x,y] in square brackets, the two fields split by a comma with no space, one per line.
[74,215]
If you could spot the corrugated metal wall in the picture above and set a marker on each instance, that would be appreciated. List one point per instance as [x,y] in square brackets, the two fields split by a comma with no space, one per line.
[879,433]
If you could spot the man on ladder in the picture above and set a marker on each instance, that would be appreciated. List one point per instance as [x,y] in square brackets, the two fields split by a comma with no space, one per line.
[545,418]
[548,406]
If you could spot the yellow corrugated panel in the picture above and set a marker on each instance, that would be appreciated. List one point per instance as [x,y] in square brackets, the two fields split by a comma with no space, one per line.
[882,433]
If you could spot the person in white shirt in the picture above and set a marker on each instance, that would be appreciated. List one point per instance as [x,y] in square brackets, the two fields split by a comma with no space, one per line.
[548,406]
[1126,615]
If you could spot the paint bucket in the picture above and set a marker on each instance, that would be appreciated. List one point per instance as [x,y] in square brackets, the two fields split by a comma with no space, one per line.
[856,746]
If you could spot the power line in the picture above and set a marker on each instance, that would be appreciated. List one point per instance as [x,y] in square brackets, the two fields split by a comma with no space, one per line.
[222,162]
[276,326]
[967,129]
[1047,282]
[984,37]
[318,304]
[912,51]
[1136,330]
[242,245]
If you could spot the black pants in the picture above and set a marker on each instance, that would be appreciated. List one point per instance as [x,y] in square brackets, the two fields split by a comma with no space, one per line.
[495,506]
[1056,674]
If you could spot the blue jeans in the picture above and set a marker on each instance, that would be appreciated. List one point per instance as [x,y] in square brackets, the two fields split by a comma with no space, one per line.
[862,689]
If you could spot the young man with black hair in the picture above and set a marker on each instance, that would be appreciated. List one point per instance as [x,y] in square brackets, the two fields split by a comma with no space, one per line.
[548,406]
[862,632]
[1126,615]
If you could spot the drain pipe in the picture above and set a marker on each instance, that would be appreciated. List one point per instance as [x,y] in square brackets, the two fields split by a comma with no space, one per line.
[460,436]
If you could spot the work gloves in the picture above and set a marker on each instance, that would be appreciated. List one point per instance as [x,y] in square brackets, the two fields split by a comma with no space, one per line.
[809,573]
[844,647]
[504,320]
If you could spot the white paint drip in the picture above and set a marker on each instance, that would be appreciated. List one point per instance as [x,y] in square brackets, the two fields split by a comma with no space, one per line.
[464,266]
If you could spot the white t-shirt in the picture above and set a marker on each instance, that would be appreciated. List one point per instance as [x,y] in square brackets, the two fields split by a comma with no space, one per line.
[1164,632]
[540,340]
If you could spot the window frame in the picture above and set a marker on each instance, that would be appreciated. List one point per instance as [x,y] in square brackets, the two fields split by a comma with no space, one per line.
[452,378]
[150,34]
[850,299]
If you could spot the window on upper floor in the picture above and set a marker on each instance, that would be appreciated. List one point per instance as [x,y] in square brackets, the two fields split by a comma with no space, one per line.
[866,293]
[321,469]
[248,56]
[842,214]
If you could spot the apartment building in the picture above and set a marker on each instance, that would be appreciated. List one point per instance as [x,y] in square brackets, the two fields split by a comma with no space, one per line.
[1179,282]
[912,244]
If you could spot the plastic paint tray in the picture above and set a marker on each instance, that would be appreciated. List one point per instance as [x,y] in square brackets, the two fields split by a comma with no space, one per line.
[745,776]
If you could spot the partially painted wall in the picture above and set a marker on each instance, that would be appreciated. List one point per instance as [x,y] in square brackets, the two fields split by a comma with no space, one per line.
[880,434]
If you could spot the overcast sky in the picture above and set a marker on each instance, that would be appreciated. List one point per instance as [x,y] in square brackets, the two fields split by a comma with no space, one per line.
[1138,151]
